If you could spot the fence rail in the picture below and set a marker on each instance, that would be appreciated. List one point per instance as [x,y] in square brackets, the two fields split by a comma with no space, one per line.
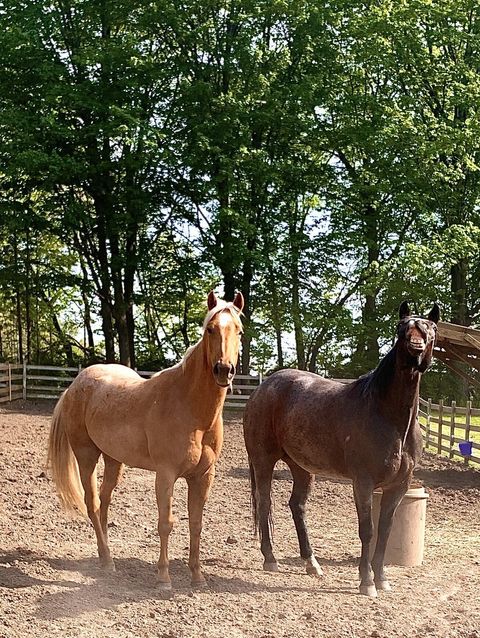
[48,382]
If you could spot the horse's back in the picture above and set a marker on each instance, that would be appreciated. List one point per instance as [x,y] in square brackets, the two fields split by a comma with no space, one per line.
[292,414]
[292,390]
[107,373]
[101,378]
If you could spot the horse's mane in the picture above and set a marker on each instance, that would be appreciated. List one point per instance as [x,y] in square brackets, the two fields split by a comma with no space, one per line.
[220,306]
[377,381]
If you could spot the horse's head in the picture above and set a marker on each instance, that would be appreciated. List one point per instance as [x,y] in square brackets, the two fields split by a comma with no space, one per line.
[418,334]
[222,330]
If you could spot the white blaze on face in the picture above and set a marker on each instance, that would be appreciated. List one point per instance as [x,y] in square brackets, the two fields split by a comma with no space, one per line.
[224,319]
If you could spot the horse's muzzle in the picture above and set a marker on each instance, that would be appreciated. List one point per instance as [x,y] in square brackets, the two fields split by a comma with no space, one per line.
[223,374]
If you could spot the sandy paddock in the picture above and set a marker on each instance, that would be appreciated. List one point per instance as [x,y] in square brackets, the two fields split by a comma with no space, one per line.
[50,584]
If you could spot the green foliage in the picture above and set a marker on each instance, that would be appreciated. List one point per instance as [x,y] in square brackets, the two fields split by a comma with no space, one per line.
[323,159]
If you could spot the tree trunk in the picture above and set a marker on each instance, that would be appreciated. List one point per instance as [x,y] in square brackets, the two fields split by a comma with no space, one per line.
[67,346]
[276,313]
[107,329]
[458,287]
[131,262]
[247,314]
[87,320]
[367,352]
[295,239]
[460,316]
[28,314]
[18,299]
[317,344]
[224,252]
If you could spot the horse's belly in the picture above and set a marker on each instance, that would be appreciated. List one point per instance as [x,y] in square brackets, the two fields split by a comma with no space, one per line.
[123,440]
[313,460]
[133,453]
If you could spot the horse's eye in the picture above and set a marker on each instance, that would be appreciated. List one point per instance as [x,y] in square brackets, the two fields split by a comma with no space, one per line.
[210,330]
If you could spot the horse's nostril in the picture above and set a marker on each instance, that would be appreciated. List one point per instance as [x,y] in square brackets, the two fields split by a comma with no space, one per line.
[216,368]
[232,370]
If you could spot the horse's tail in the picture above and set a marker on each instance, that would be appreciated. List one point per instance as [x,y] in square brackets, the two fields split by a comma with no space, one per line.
[253,496]
[254,505]
[63,464]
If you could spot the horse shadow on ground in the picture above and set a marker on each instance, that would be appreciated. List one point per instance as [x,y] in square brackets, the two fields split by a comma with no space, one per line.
[43,407]
[12,576]
[133,582]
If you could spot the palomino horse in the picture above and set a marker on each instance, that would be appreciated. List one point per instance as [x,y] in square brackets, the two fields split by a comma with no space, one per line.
[170,424]
[367,431]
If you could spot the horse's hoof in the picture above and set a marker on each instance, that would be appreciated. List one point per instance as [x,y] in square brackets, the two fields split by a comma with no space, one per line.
[368,590]
[199,584]
[108,566]
[270,567]
[313,568]
[163,585]
[383,585]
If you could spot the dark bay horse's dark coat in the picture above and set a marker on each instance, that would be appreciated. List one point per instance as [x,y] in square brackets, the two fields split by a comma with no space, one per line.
[366,431]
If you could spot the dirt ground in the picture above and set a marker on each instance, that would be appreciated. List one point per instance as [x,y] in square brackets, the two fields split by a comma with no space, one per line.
[50,584]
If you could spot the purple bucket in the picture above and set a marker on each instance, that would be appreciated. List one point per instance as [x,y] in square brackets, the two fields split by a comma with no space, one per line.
[465,448]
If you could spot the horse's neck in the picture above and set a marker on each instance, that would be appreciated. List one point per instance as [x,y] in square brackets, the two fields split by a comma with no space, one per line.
[402,394]
[199,386]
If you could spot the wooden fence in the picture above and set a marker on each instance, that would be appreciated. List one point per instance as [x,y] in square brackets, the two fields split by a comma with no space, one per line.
[443,427]
[11,381]
[448,429]
[48,382]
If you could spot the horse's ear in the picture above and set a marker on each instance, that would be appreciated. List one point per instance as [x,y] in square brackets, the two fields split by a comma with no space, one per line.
[239,302]
[434,314]
[404,310]
[211,300]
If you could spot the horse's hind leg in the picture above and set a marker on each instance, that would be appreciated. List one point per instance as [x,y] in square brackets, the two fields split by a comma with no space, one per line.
[87,458]
[302,486]
[111,476]
[164,483]
[390,499]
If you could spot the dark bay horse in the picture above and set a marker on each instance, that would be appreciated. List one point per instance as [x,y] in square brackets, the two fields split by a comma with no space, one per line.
[170,424]
[367,431]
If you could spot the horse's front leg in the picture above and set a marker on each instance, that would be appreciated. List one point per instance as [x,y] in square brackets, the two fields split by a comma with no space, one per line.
[363,491]
[390,499]
[164,483]
[198,491]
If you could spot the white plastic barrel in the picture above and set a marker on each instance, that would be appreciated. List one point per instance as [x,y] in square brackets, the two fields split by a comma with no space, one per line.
[407,538]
